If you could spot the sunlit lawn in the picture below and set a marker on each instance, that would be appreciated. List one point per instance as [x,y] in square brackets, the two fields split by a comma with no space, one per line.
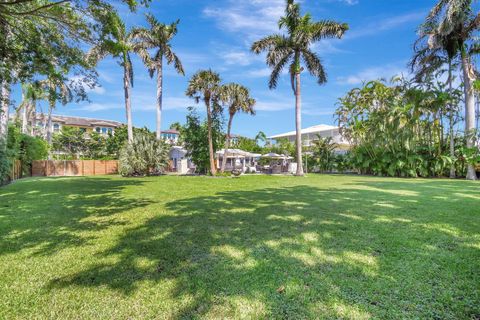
[254,247]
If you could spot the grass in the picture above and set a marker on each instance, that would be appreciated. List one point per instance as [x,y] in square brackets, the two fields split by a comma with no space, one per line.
[255,247]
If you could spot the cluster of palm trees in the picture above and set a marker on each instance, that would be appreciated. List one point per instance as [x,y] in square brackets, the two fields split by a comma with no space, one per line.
[447,37]
[121,43]
[206,86]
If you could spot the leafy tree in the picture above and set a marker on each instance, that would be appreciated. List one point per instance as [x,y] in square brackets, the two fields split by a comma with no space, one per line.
[247,144]
[294,49]
[71,141]
[195,135]
[157,37]
[396,129]
[144,156]
[455,23]
[205,85]
[176,126]
[237,99]
[323,153]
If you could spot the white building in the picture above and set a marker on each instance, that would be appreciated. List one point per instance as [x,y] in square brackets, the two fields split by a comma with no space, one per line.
[311,134]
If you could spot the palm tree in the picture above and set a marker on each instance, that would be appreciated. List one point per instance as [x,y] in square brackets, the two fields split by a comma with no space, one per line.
[56,89]
[294,50]
[428,61]
[205,85]
[237,98]
[261,136]
[454,20]
[119,45]
[157,37]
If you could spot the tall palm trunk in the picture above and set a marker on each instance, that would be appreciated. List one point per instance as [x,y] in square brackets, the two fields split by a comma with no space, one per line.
[213,167]
[33,118]
[128,107]
[24,113]
[159,97]
[5,109]
[469,110]
[298,124]
[48,129]
[227,144]
[451,132]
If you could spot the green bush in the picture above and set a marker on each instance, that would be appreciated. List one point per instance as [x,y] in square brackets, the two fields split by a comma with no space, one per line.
[144,156]
[5,163]
[24,148]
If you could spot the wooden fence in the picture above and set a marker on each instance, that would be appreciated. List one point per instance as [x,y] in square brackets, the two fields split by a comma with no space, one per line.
[16,171]
[60,168]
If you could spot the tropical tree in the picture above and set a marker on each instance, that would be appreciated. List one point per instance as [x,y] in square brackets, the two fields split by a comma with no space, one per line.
[157,37]
[294,49]
[237,99]
[261,137]
[205,85]
[118,43]
[455,23]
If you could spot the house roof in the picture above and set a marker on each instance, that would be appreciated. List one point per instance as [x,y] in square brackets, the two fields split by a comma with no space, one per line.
[171,131]
[313,129]
[82,121]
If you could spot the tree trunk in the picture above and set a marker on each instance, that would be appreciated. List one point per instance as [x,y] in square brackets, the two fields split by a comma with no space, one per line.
[469,110]
[128,108]
[451,132]
[298,124]
[5,109]
[33,118]
[49,123]
[24,113]
[227,144]
[213,167]
[159,98]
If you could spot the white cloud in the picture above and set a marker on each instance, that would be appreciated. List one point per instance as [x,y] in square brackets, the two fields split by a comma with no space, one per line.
[234,57]
[349,2]
[92,107]
[259,73]
[254,18]
[385,25]
[373,73]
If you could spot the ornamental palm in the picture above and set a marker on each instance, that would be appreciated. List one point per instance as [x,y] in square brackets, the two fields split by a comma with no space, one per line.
[157,37]
[454,20]
[205,85]
[294,49]
[118,44]
[238,99]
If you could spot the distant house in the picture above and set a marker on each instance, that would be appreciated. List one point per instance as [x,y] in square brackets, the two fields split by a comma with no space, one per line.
[311,134]
[86,124]
[170,136]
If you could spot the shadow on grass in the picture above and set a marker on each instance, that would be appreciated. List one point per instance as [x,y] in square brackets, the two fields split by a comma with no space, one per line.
[371,248]
[48,214]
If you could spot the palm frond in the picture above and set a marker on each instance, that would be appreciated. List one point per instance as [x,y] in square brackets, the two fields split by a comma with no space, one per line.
[327,29]
[266,43]
[314,66]
[277,70]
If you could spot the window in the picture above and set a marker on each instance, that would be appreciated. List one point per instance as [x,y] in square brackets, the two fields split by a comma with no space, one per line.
[98,129]
[56,127]
[104,130]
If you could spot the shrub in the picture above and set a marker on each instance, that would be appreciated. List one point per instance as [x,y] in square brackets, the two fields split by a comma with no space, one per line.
[144,156]
[5,163]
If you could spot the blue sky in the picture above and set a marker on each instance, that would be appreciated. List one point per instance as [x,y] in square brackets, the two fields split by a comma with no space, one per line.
[217,34]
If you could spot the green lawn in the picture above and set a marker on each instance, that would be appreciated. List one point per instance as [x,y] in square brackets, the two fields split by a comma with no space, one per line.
[255,247]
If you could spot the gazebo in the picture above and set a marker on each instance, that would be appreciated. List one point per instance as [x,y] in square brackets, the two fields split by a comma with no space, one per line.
[237,159]
[279,163]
